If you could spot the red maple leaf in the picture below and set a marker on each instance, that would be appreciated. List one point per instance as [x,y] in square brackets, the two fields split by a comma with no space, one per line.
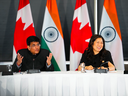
[79,37]
[21,35]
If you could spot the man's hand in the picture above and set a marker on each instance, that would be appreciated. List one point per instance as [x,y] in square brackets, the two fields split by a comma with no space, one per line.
[19,59]
[48,61]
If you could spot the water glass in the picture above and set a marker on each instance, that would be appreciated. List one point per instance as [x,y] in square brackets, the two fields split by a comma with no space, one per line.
[82,65]
[9,68]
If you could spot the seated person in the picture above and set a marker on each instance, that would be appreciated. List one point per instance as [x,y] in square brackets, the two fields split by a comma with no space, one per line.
[33,57]
[96,54]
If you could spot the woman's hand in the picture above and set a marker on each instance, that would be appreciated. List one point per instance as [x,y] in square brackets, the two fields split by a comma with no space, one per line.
[90,67]
[110,66]
[86,68]
[102,67]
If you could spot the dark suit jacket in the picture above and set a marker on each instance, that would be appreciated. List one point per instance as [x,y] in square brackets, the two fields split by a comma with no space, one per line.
[96,59]
[31,61]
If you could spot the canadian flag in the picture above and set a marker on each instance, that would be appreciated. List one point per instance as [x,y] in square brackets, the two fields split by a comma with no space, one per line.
[80,34]
[24,27]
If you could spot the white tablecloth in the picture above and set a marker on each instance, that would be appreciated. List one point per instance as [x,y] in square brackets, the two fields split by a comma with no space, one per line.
[64,84]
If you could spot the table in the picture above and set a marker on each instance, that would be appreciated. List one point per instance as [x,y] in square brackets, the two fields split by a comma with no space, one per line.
[70,83]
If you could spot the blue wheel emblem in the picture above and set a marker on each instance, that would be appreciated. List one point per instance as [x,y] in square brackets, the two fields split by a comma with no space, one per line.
[51,34]
[108,33]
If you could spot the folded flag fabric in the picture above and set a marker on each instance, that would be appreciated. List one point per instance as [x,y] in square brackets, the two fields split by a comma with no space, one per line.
[24,27]
[110,30]
[80,33]
[52,36]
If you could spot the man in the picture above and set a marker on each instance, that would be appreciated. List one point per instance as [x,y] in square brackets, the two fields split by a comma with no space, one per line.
[33,57]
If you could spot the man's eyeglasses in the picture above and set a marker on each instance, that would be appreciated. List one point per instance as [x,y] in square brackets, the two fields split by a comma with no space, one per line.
[36,45]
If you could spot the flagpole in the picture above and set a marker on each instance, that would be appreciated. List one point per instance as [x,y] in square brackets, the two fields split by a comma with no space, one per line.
[95,18]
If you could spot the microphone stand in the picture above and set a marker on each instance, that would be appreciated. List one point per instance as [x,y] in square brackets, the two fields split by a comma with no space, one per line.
[101,70]
[33,70]
[33,64]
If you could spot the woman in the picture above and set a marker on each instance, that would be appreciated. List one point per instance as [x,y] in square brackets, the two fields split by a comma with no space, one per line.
[96,54]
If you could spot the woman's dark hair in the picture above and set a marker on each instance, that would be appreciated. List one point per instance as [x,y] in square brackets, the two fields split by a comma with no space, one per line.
[32,39]
[89,49]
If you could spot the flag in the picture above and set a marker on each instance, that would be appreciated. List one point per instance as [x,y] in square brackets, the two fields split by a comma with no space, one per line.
[110,30]
[24,27]
[80,33]
[52,36]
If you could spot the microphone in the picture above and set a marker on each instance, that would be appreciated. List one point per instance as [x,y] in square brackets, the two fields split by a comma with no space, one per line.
[101,70]
[103,64]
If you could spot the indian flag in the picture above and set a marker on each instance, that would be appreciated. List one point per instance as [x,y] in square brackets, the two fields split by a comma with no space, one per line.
[110,30]
[52,36]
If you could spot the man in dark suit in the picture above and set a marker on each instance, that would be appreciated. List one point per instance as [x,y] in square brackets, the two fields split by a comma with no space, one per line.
[33,57]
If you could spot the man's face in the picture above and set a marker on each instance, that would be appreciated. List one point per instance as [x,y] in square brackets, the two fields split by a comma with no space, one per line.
[34,48]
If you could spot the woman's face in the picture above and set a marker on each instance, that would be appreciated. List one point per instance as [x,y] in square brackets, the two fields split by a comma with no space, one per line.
[97,45]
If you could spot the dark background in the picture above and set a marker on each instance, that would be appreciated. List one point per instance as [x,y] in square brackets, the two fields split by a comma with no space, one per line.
[8,13]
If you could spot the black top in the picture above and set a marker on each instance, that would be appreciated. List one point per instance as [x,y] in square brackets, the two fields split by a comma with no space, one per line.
[96,60]
[31,61]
